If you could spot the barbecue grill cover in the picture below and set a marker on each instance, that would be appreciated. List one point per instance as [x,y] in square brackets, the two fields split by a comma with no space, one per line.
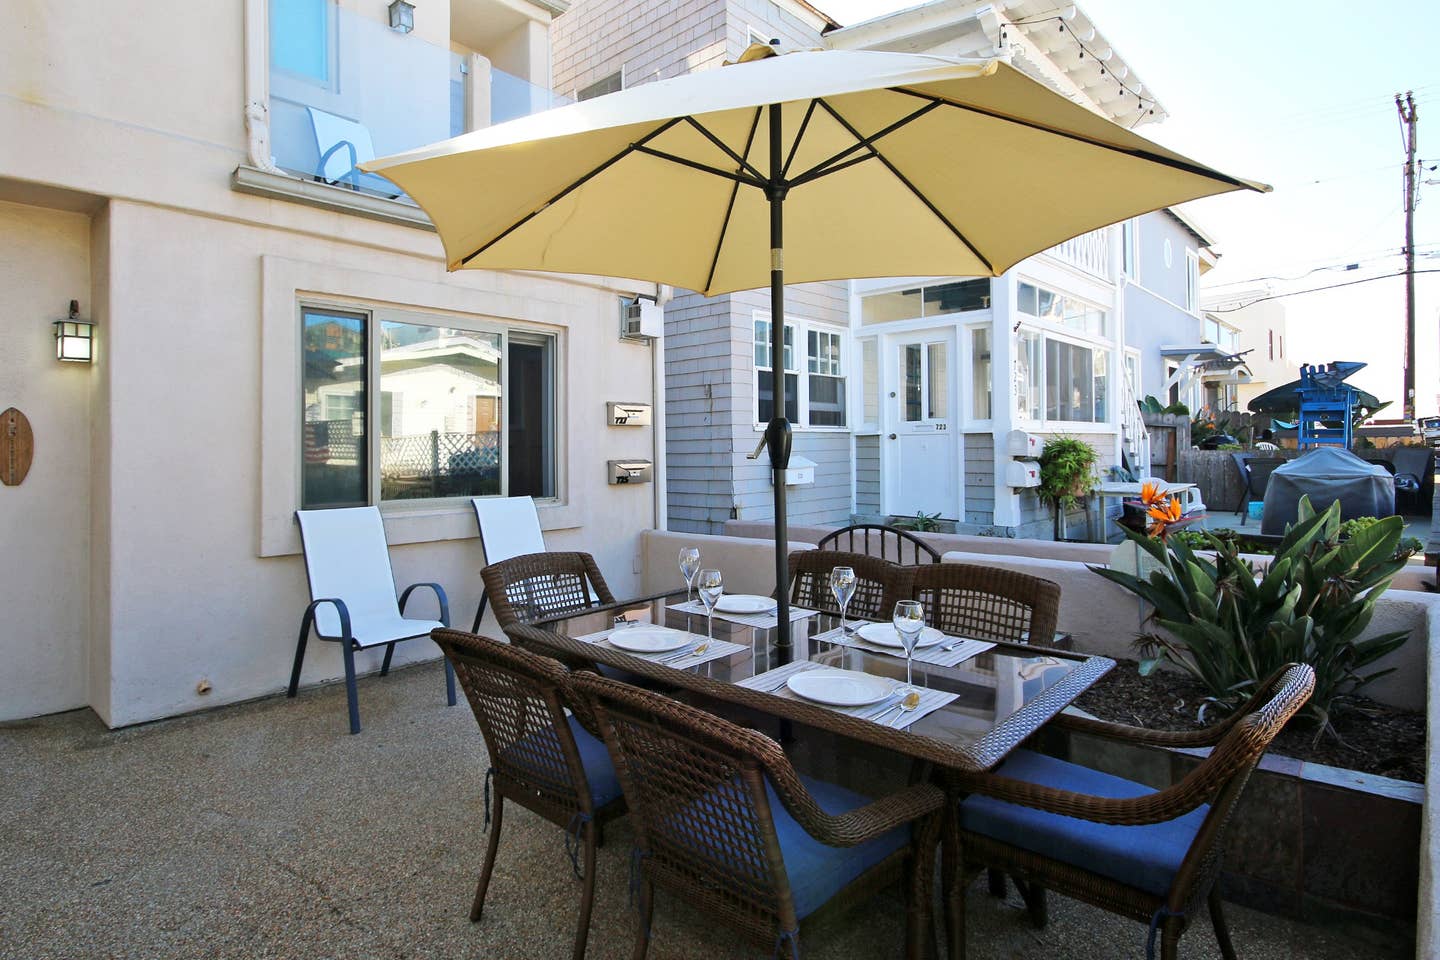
[1327,474]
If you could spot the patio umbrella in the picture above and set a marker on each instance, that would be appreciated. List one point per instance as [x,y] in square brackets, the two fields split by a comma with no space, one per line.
[877,164]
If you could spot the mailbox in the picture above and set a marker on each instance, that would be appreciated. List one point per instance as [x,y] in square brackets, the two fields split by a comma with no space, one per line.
[627,414]
[1023,444]
[1022,473]
[799,473]
[631,471]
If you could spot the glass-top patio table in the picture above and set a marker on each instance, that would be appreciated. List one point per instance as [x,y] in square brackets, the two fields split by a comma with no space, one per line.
[978,701]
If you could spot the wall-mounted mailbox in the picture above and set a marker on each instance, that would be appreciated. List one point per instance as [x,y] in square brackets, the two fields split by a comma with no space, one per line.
[627,414]
[1022,473]
[631,471]
[800,472]
[1025,445]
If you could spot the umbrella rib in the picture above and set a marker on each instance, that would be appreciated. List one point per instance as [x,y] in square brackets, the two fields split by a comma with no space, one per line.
[799,135]
[1184,165]
[911,187]
[697,165]
[739,160]
[730,207]
[668,124]
[864,143]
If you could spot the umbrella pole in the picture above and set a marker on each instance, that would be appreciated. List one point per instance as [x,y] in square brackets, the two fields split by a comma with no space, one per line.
[778,430]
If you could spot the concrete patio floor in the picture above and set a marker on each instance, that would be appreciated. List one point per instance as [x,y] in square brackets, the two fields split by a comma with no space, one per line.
[264,830]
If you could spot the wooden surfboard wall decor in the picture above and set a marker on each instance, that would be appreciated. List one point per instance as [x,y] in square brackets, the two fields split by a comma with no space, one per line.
[17,447]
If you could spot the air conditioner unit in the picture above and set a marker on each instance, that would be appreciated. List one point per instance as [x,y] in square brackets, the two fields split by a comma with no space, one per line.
[641,319]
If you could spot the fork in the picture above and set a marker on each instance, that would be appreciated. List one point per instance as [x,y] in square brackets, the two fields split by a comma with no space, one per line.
[694,651]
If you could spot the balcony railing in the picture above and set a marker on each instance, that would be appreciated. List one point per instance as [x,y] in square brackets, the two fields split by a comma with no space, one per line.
[1089,252]
[345,88]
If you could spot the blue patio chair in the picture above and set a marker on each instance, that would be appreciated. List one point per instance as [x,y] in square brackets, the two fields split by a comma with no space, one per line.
[1151,855]
[723,822]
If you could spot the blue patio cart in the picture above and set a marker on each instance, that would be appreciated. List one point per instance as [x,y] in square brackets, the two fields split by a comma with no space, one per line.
[1327,404]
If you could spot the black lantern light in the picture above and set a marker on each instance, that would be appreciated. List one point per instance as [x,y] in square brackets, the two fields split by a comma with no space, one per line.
[74,338]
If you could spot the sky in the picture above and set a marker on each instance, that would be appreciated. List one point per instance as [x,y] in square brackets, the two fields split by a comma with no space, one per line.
[1300,96]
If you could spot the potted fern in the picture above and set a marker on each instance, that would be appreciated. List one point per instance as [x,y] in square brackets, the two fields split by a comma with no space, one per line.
[1067,471]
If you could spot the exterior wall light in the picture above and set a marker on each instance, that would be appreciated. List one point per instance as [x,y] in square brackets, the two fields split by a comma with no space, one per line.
[402,16]
[74,338]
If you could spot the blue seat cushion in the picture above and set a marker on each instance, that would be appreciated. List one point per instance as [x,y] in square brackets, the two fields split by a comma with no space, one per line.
[1145,856]
[817,871]
[534,755]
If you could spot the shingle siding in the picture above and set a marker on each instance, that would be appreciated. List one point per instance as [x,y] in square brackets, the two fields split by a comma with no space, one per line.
[867,475]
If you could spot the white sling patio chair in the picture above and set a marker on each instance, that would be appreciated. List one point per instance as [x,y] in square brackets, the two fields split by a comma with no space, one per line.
[352,595]
[509,527]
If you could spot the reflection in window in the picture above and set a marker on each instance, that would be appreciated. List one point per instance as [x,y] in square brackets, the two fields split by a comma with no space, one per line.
[869,381]
[1059,309]
[1075,382]
[938,380]
[299,38]
[445,409]
[765,380]
[334,455]
[1028,359]
[910,376]
[827,386]
[980,373]
[931,301]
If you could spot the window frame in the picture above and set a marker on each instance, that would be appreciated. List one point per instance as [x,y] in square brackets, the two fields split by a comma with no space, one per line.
[1192,282]
[376,316]
[1130,249]
[800,331]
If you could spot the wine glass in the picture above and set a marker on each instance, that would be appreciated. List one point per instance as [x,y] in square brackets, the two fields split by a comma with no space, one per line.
[909,620]
[712,588]
[689,566]
[842,585]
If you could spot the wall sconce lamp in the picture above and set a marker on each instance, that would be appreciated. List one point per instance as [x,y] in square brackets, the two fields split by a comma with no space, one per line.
[74,338]
[402,16]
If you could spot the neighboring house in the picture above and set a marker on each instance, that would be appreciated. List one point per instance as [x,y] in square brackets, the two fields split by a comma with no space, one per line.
[267,340]
[718,393]
[1063,343]
[902,392]
[1260,321]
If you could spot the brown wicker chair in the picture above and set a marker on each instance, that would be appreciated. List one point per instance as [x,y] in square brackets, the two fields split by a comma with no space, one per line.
[539,758]
[1150,855]
[722,821]
[535,585]
[877,540]
[968,600]
[879,584]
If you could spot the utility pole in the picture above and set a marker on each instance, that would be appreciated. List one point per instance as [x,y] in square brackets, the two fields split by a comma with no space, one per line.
[1409,119]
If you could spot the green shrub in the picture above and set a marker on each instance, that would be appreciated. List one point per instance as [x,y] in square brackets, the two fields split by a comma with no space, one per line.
[1404,550]
[922,522]
[1067,471]
[1311,606]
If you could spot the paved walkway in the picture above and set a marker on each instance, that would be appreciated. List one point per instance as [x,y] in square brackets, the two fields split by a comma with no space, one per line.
[263,830]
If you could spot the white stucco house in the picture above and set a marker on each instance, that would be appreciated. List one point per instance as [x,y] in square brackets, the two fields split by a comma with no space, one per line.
[272,331]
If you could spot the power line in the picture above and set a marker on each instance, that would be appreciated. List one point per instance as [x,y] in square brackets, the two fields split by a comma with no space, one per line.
[1333,286]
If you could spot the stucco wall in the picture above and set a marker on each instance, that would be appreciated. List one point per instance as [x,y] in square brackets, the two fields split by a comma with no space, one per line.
[45,521]
[1154,302]
[189,597]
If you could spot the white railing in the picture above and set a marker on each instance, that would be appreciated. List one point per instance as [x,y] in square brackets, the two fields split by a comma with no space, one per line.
[1089,252]
[1134,435]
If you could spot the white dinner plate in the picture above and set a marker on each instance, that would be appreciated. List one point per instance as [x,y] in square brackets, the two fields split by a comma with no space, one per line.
[649,638]
[884,635]
[744,603]
[840,688]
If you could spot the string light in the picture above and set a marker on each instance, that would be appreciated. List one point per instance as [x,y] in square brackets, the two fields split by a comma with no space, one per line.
[1124,87]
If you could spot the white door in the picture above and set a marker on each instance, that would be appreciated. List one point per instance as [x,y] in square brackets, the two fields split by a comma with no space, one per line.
[921,447]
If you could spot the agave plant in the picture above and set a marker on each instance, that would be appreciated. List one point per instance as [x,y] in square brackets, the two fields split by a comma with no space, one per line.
[1230,629]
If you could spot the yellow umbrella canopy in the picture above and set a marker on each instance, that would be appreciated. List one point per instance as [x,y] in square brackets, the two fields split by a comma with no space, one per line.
[893,165]
[874,164]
